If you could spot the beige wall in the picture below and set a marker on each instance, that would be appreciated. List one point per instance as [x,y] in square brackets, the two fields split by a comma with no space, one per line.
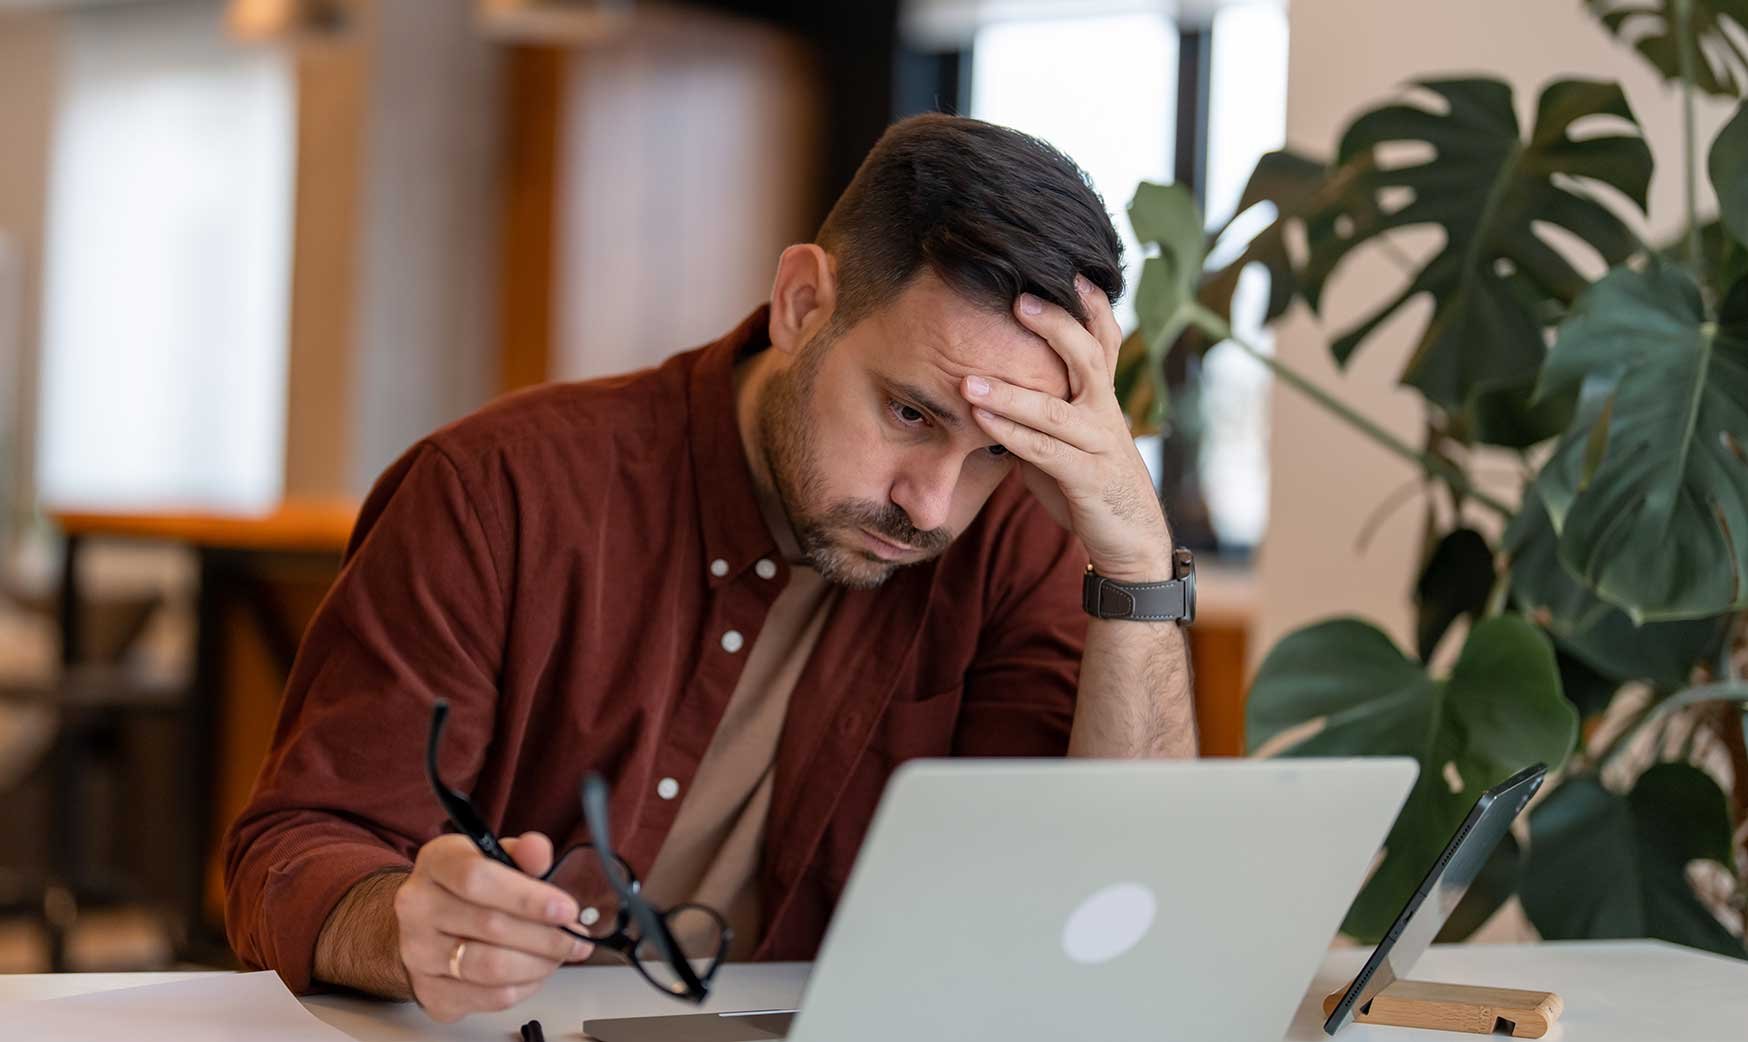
[1345,56]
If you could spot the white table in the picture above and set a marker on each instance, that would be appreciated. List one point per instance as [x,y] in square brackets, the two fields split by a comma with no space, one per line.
[1615,991]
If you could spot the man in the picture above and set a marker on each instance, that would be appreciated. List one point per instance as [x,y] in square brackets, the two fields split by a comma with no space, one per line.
[743,585]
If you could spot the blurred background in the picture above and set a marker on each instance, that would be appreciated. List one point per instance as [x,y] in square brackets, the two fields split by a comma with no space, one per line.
[251,250]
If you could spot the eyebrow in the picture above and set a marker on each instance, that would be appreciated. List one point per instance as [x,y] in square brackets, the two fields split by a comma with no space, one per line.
[948,417]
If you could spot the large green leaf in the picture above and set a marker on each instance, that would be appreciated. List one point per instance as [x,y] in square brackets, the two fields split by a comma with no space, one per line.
[1499,711]
[1513,417]
[1455,582]
[1166,217]
[1602,865]
[1724,259]
[1135,389]
[1588,689]
[1296,186]
[1728,165]
[1649,489]
[1496,280]
[1595,632]
[1650,26]
[1163,216]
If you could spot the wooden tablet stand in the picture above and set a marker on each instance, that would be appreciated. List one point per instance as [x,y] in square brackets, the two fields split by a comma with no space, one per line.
[1459,1007]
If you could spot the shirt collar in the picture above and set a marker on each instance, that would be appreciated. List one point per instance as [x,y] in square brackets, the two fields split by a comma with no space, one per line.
[734,528]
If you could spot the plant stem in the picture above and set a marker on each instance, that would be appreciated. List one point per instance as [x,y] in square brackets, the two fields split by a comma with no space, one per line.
[1382,511]
[1664,705]
[1684,45]
[1736,637]
[1431,465]
[1627,733]
[1500,595]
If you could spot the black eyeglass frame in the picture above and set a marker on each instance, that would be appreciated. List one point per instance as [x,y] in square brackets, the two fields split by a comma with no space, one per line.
[651,922]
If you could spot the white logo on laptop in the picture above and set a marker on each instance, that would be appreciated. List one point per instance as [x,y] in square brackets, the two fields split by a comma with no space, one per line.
[1109,923]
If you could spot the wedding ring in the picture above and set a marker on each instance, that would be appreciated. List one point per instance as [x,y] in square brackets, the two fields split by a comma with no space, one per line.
[455,959]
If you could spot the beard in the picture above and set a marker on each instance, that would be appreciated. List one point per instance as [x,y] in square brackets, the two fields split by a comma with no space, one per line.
[828,532]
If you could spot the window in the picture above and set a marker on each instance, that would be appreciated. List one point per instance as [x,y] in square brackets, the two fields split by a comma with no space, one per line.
[1247,117]
[1101,88]
[1100,82]
[167,270]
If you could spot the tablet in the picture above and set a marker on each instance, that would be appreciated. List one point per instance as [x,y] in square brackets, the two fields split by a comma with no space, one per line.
[1446,883]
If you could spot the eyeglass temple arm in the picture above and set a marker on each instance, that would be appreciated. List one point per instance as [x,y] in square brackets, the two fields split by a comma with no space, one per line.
[460,809]
[594,800]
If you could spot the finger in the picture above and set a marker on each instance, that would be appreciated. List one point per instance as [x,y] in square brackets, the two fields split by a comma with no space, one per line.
[532,851]
[1053,456]
[1071,341]
[481,963]
[436,911]
[1035,409]
[447,1000]
[482,881]
[1101,320]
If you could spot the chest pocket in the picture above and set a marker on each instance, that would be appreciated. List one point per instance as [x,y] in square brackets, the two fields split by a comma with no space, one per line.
[914,728]
[910,729]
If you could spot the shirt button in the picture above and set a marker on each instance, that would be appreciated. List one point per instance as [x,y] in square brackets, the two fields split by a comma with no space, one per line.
[732,641]
[667,788]
[765,568]
[719,568]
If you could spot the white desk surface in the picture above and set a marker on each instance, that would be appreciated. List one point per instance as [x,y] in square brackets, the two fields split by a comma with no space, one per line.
[1615,991]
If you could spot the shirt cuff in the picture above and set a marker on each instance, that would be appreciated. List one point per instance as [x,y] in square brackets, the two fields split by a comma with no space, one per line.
[301,893]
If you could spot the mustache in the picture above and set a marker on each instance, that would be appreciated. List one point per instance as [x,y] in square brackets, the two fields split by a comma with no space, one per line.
[891,522]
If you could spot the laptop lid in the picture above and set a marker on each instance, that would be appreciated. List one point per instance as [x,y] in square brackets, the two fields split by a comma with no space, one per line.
[1011,899]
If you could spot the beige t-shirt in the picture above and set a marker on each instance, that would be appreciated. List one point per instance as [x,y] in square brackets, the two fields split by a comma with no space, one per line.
[711,855]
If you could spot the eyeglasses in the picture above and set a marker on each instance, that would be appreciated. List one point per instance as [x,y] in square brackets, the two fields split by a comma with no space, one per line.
[677,950]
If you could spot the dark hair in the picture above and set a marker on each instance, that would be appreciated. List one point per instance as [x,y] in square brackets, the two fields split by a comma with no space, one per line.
[991,211]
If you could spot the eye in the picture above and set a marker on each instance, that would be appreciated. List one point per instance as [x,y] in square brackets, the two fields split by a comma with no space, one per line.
[998,451]
[907,415]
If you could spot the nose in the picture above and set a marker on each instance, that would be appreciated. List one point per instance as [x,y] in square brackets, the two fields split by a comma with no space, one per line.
[924,491]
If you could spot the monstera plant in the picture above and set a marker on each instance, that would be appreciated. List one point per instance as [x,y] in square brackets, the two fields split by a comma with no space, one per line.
[1598,619]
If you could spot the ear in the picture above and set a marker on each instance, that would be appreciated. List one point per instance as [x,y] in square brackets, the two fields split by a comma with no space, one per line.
[802,296]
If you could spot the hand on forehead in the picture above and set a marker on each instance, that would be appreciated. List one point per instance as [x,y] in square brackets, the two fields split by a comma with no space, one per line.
[961,339]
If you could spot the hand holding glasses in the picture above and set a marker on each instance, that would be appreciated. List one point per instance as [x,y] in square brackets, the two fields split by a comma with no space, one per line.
[678,950]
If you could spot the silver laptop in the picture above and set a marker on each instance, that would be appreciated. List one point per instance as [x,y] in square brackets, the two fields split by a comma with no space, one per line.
[1051,899]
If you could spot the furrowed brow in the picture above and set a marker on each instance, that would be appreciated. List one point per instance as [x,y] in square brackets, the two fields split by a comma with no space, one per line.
[928,403]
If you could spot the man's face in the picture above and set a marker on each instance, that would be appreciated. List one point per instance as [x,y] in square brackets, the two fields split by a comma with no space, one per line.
[870,443]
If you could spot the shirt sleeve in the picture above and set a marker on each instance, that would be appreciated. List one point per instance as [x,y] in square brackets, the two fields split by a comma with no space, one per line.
[1020,688]
[416,614]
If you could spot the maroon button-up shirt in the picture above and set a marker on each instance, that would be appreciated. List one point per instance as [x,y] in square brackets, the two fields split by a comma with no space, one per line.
[545,565]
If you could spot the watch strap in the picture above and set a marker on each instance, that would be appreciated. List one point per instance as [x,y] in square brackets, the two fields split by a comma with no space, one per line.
[1143,602]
